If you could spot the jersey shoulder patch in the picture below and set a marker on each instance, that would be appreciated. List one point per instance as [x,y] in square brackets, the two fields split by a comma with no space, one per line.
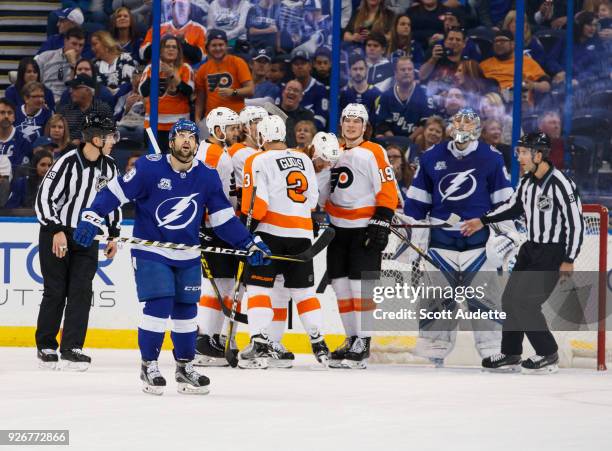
[154,156]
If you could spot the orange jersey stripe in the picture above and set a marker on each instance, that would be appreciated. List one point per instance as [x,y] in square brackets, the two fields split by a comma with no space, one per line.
[260,207]
[210,302]
[286,221]
[235,148]
[213,154]
[260,301]
[345,305]
[308,305]
[355,213]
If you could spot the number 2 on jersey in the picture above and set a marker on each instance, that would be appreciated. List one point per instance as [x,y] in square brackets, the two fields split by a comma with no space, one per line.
[297,184]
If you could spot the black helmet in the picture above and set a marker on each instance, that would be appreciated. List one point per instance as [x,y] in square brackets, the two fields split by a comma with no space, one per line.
[96,124]
[536,141]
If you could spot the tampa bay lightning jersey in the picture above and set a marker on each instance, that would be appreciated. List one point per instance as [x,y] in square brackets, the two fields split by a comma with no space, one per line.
[316,100]
[400,117]
[169,206]
[366,98]
[17,149]
[468,183]
[31,127]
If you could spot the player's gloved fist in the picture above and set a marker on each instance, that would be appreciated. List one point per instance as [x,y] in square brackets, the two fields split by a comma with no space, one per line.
[87,228]
[260,251]
[379,227]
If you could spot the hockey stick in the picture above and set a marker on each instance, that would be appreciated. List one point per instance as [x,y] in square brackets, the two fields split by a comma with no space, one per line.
[240,317]
[273,109]
[305,256]
[153,140]
[229,355]
[450,222]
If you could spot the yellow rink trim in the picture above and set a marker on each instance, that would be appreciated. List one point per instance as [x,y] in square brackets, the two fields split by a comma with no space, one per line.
[128,339]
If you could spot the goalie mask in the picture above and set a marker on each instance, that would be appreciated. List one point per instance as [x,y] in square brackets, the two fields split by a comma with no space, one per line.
[271,128]
[221,117]
[326,147]
[465,126]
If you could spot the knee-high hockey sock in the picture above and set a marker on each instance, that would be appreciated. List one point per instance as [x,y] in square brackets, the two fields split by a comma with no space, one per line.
[260,309]
[309,309]
[210,317]
[342,289]
[361,307]
[184,330]
[280,300]
[153,326]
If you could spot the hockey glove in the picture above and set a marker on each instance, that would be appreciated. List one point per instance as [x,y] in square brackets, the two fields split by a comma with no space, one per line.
[87,228]
[379,227]
[260,252]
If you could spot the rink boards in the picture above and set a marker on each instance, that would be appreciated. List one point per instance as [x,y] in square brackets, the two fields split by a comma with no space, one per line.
[115,310]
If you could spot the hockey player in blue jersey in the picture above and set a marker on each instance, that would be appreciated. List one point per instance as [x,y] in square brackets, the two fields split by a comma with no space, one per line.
[171,193]
[468,178]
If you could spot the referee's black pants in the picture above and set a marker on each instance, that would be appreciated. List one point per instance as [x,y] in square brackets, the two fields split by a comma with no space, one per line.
[67,285]
[533,279]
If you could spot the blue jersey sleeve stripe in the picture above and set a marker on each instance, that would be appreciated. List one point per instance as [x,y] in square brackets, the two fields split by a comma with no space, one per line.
[501,195]
[221,216]
[117,191]
[419,194]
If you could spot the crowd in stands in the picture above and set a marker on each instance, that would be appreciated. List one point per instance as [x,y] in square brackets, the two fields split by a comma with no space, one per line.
[413,64]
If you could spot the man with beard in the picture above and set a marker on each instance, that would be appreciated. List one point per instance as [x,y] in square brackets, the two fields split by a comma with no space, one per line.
[501,67]
[358,90]
[290,104]
[191,34]
[12,144]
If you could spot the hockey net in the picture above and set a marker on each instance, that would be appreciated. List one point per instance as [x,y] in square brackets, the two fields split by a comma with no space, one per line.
[584,348]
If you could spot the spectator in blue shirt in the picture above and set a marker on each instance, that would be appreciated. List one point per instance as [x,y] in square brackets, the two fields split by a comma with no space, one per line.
[262,30]
[27,71]
[32,116]
[358,89]
[123,29]
[265,90]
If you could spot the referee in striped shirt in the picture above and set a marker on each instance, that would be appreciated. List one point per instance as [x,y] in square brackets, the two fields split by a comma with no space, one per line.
[68,269]
[553,212]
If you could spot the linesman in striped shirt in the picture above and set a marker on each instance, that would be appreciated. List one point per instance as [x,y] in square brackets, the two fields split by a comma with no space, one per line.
[67,268]
[553,213]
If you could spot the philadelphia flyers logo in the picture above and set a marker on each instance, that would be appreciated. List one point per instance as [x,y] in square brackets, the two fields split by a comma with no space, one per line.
[341,177]
[222,80]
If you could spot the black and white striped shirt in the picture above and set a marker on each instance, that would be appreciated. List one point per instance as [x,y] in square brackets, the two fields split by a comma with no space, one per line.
[552,209]
[69,187]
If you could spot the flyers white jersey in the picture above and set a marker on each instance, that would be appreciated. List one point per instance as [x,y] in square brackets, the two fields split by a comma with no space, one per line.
[216,157]
[361,180]
[239,153]
[286,193]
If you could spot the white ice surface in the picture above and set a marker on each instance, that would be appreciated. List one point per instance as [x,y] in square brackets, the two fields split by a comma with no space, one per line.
[383,408]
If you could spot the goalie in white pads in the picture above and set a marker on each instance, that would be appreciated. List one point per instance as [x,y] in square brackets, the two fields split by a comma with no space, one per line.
[468,178]
[361,204]
[285,188]
[224,128]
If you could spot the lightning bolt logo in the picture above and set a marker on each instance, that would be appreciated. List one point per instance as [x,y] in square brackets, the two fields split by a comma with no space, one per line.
[456,183]
[176,212]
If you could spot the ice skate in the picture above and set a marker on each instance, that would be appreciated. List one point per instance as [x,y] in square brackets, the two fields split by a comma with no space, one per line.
[74,360]
[47,359]
[285,357]
[320,350]
[357,356]
[190,382]
[437,362]
[209,351]
[153,382]
[339,354]
[538,364]
[257,354]
[502,363]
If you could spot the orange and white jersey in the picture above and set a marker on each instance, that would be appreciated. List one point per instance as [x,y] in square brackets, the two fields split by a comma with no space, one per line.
[193,33]
[239,153]
[216,157]
[286,192]
[361,180]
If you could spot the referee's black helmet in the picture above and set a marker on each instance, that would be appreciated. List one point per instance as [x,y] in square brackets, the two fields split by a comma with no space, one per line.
[96,124]
[539,142]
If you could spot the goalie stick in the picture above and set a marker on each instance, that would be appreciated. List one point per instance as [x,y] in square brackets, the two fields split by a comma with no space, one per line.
[450,222]
[307,255]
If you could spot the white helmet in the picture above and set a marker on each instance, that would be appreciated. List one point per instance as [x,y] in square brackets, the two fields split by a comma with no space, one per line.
[355,110]
[326,147]
[252,113]
[221,117]
[271,128]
